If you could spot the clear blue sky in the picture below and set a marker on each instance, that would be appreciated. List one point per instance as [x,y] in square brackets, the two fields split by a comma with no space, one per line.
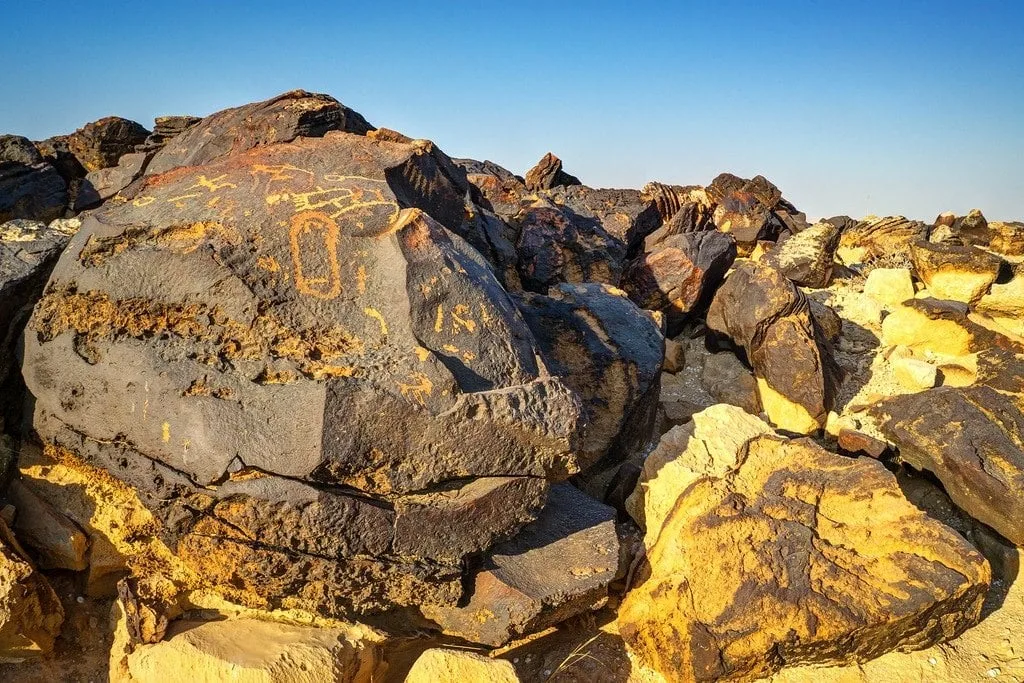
[908,107]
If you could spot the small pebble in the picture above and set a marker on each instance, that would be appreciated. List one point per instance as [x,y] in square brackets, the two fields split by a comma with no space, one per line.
[79,599]
[933,661]
[992,673]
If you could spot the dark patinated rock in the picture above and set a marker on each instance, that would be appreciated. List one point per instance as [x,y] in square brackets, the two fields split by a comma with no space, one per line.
[627,215]
[291,338]
[806,258]
[557,567]
[548,174]
[728,380]
[610,353]
[680,274]
[689,205]
[972,439]
[102,143]
[28,252]
[765,315]
[30,188]
[752,210]
[165,128]
[99,186]
[556,244]
[280,119]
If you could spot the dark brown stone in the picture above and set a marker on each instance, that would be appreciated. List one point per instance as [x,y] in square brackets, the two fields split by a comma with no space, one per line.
[548,174]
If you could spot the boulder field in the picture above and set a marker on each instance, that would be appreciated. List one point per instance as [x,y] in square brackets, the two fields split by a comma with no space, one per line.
[290,397]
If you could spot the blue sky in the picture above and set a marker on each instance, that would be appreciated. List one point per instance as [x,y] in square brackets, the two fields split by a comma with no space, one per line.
[850,107]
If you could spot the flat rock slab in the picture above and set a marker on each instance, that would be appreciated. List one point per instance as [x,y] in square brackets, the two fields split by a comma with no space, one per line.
[796,555]
[972,439]
[556,568]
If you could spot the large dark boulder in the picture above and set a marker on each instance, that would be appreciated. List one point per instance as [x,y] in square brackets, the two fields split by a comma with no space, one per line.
[280,119]
[286,344]
[972,439]
[30,188]
[609,352]
[763,314]
[102,143]
[807,257]
[679,275]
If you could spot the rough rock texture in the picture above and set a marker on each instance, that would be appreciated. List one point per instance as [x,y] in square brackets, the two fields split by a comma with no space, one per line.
[279,327]
[558,245]
[30,188]
[99,186]
[752,210]
[954,272]
[55,539]
[28,252]
[807,257]
[680,275]
[252,651]
[165,128]
[817,558]
[438,665]
[277,120]
[610,353]
[556,568]
[30,613]
[102,143]
[628,216]
[889,286]
[548,174]
[875,237]
[681,208]
[972,439]
[728,380]
[761,312]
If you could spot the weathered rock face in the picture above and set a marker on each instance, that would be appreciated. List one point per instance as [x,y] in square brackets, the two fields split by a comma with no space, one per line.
[960,273]
[679,275]
[102,143]
[761,312]
[277,346]
[817,558]
[874,238]
[280,119]
[548,174]
[30,188]
[752,210]
[438,665]
[99,186]
[165,128]
[557,567]
[30,613]
[972,439]
[728,380]
[682,208]
[806,258]
[28,252]
[627,215]
[252,651]
[558,245]
[610,353]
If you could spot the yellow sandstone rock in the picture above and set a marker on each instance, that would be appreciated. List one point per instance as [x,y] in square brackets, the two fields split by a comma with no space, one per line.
[439,665]
[914,374]
[889,286]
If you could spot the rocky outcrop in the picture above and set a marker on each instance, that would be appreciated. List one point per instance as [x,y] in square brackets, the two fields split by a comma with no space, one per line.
[99,186]
[972,439]
[679,275]
[764,315]
[813,556]
[959,273]
[557,567]
[303,343]
[101,144]
[806,258]
[610,353]
[875,238]
[280,119]
[30,188]
[164,129]
[548,174]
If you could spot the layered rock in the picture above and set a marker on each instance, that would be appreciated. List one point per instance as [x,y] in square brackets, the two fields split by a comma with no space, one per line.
[875,238]
[817,558]
[101,144]
[766,316]
[752,210]
[557,567]
[310,382]
[972,439]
